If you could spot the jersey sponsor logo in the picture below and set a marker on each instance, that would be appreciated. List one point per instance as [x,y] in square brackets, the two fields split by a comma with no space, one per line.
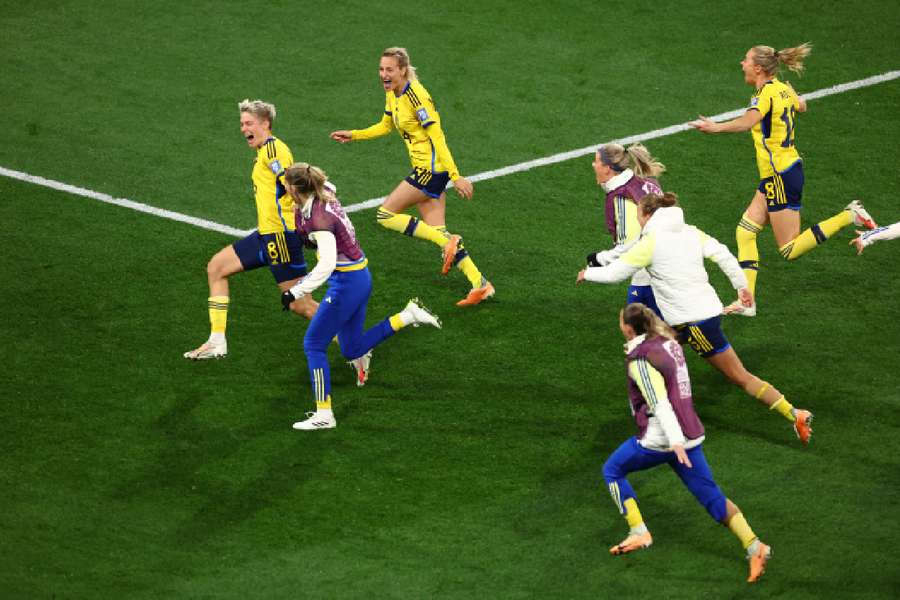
[649,187]
[422,114]
[275,165]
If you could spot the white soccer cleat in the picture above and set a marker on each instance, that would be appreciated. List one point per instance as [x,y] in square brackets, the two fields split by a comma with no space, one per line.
[317,420]
[737,308]
[361,366]
[861,217]
[208,350]
[419,315]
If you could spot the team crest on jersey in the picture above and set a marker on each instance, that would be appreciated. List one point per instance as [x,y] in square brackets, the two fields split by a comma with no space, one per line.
[275,165]
[422,114]
[754,101]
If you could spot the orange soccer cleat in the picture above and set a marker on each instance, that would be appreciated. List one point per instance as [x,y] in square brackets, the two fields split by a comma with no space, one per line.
[478,295]
[632,542]
[758,562]
[803,425]
[450,249]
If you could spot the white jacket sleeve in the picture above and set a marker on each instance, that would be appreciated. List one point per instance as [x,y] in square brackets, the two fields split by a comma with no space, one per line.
[635,258]
[605,257]
[880,234]
[719,253]
[327,246]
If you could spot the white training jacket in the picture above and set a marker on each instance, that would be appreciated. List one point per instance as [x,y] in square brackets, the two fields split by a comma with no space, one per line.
[673,253]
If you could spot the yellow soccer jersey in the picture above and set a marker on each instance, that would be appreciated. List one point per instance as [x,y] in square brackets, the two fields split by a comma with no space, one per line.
[773,136]
[274,206]
[415,117]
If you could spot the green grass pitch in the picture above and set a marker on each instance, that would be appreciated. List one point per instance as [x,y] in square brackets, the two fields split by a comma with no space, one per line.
[469,467]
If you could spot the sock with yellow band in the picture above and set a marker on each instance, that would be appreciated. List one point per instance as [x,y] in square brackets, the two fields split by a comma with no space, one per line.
[815,235]
[748,252]
[465,263]
[409,225]
[633,516]
[218,314]
[741,529]
[785,408]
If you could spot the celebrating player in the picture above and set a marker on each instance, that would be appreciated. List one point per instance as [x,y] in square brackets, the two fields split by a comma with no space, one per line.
[771,120]
[625,175]
[669,432]
[321,220]
[274,244]
[673,253]
[410,109]
[879,234]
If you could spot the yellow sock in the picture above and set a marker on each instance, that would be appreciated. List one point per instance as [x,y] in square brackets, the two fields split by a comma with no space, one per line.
[784,407]
[633,513]
[739,527]
[409,225]
[218,313]
[815,235]
[464,262]
[396,322]
[748,252]
[324,404]
[470,271]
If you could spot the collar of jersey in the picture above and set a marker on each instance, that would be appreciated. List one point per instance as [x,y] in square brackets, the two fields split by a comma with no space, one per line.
[618,181]
[634,342]
[773,80]
[307,208]
[403,91]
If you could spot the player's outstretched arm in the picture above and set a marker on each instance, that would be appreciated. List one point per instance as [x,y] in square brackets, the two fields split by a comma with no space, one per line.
[745,122]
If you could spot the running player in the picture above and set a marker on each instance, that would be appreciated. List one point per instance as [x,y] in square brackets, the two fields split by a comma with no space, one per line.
[673,253]
[321,221]
[771,120]
[669,432]
[410,110]
[879,234]
[626,175]
[274,244]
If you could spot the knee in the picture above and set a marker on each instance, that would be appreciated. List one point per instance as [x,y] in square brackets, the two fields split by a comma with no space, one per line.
[611,471]
[214,269]
[313,346]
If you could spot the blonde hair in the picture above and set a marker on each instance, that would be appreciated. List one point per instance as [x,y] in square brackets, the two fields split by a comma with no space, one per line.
[306,179]
[402,57]
[261,110]
[644,320]
[652,202]
[769,59]
[636,157]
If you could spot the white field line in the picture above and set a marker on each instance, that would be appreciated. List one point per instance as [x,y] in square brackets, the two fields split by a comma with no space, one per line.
[138,206]
[517,168]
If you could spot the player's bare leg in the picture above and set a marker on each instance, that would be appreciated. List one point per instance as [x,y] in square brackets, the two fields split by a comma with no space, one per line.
[731,366]
[221,266]
[390,215]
